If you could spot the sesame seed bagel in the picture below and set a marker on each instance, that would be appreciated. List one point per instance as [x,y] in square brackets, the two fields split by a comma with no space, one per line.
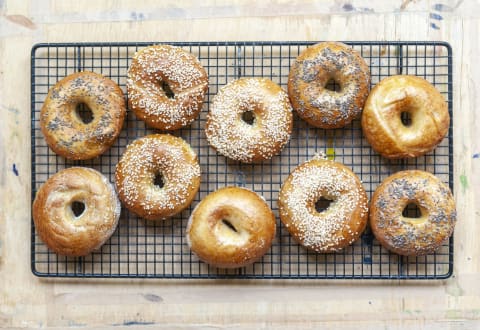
[310,74]
[166,86]
[269,130]
[382,123]
[412,236]
[231,227]
[157,155]
[64,130]
[56,222]
[341,223]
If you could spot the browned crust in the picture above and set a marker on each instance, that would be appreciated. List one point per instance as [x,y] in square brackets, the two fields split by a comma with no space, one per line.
[251,216]
[381,122]
[54,223]
[184,74]
[398,234]
[142,160]
[65,133]
[323,232]
[311,71]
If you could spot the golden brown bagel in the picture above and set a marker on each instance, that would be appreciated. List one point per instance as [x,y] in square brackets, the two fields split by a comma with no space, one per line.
[65,132]
[55,221]
[381,118]
[166,86]
[145,158]
[311,72]
[412,236]
[341,223]
[265,136]
[231,227]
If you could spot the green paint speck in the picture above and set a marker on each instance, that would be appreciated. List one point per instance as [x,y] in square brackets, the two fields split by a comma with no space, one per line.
[464,182]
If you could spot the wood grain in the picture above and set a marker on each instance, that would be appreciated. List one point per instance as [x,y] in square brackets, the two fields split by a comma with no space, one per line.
[30,302]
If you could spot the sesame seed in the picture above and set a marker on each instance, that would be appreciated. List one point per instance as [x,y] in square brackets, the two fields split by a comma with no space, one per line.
[271,130]
[143,160]
[185,76]
[322,178]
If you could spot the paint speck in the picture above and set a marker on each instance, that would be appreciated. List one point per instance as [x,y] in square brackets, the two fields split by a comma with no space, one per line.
[22,21]
[240,179]
[72,323]
[130,323]
[330,150]
[442,7]
[137,16]
[14,169]
[464,182]
[434,26]
[436,16]
[152,297]
[367,260]
[477,155]
[383,51]
[405,4]
[366,10]
[348,7]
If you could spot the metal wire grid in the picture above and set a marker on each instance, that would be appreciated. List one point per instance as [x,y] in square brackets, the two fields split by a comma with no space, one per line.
[140,248]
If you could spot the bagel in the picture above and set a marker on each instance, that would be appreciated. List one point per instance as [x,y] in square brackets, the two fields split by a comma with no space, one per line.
[231,227]
[412,236]
[382,124]
[341,223]
[64,130]
[169,159]
[76,232]
[166,86]
[270,127]
[311,72]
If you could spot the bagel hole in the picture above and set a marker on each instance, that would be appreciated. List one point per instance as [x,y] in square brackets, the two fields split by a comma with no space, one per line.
[411,211]
[322,204]
[229,225]
[406,118]
[248,117]
[84,113]
[333,86]
[159,180]
[77,208]
[166,89]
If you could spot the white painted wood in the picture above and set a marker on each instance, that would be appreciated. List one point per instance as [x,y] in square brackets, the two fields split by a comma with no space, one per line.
[27,301]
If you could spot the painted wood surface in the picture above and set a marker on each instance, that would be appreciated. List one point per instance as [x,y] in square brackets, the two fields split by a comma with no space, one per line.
[27,301]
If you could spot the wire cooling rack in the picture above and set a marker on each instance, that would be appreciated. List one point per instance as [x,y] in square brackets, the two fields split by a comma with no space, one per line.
[140,248]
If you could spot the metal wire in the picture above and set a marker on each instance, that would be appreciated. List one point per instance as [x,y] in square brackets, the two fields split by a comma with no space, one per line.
[140,248]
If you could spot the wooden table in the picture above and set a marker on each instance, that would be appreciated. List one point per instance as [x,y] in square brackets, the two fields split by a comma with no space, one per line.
[27,301]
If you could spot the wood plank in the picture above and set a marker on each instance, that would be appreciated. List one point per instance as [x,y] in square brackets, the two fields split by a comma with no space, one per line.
[27,301]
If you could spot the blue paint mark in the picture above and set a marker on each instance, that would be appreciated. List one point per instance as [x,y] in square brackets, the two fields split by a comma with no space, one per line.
[436,16]
[367,239]
[442,7]
[367,260]
[129,323]
[434,26]
[137,16]
[14,169]
[240,179]
[72,323]
[476,156]
[152,297]
[366,10]
[348,7]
